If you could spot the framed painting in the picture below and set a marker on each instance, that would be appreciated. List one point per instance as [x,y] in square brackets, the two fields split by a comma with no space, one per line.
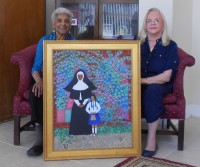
[91,99]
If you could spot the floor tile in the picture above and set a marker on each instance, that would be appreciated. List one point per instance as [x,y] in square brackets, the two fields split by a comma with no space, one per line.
[189,156]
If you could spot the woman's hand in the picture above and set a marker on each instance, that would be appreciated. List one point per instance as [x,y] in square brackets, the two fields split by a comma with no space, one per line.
[81,105]
[38,89]
[144,81]
[38,86]
[159,79]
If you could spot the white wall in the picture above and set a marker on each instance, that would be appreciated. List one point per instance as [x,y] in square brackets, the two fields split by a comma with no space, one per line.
[186,27]
[182,24]
[193,82]
[194,75]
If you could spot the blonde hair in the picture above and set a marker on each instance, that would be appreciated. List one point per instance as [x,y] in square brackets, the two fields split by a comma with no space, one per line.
[143,34]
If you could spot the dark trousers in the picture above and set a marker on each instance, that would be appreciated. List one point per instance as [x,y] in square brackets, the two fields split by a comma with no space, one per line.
[36,107]
[152,101]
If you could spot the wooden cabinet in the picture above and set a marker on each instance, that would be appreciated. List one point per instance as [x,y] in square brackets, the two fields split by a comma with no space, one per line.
[103,19]
[22,23]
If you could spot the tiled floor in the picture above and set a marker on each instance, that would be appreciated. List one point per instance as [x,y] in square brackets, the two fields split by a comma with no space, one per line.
[15,156]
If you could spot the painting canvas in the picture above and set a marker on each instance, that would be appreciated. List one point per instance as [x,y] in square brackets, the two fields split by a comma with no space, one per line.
[91,99]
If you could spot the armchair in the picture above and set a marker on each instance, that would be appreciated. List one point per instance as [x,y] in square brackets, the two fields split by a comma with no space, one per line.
[175,102]
[21,108]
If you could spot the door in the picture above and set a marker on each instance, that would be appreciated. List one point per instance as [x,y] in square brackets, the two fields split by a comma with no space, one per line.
[22,23]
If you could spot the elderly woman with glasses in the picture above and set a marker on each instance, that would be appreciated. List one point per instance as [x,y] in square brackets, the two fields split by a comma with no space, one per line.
[61,22]
[159,62]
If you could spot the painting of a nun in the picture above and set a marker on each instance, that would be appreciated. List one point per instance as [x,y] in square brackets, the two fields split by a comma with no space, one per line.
[80,89]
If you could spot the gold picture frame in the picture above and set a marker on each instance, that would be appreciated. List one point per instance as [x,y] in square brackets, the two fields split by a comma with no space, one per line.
[113,67]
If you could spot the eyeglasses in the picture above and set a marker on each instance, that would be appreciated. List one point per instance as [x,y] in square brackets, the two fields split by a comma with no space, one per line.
[156,21]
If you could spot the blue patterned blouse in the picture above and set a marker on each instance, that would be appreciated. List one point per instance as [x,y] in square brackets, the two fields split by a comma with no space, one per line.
[38,63]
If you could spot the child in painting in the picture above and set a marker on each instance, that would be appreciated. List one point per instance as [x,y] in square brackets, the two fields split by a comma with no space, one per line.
[93,108]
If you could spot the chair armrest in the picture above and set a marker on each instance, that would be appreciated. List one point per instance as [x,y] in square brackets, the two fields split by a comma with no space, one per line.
[16,105]
[24,59]
[184,60]
[21,107]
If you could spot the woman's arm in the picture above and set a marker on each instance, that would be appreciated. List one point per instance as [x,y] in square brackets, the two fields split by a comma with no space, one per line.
[37,69]
[85,101]
[159,79]
[88,108]
[77,102]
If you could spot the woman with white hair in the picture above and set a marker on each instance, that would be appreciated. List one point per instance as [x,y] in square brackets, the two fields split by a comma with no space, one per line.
[61,22]
[159,62]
